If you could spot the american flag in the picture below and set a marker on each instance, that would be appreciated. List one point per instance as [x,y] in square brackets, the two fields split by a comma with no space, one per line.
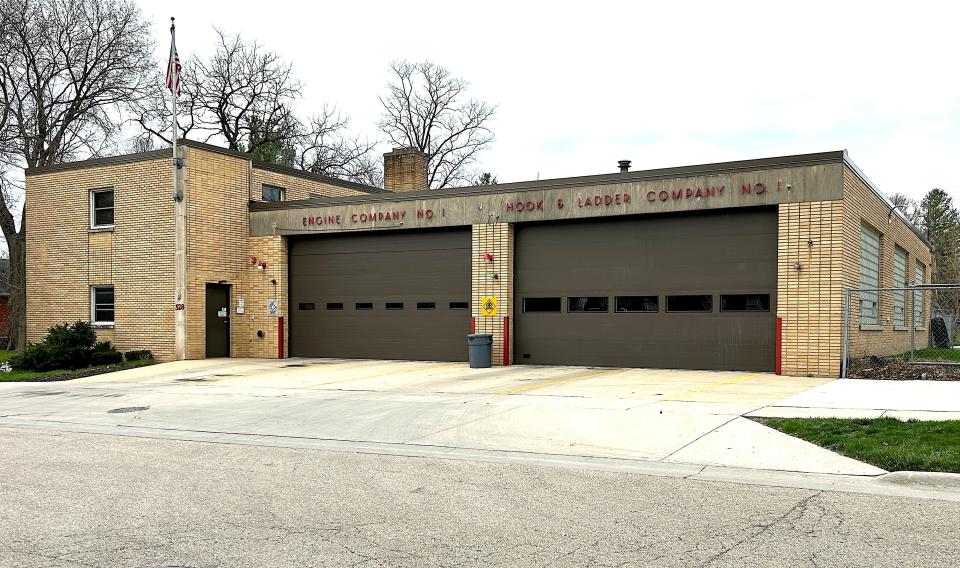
[173,65]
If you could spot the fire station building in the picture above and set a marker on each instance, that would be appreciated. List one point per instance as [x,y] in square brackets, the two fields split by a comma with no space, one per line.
[728,266]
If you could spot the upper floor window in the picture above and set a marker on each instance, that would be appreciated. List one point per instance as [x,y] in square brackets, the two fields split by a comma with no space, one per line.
[271,193]
[101,208]
[869,276]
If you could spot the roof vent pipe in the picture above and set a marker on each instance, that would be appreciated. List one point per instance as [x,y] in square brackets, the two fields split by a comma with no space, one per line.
[624,166]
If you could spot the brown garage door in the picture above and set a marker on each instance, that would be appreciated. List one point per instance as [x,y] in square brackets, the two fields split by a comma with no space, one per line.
[391,295]
[691,291]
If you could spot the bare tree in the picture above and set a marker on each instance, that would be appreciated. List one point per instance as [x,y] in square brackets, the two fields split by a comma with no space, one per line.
[426,108]
[326,148]
[66,67]
[244,96]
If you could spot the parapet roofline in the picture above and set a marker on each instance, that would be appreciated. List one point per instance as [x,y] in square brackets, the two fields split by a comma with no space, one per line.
[834,157]
[166,154]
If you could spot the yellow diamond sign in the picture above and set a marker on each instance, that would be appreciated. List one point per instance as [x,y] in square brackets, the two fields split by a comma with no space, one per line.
[488,306]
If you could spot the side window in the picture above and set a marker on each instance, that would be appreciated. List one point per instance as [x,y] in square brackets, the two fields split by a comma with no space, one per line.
[101,208]
[899,281]
[101,305]
[919,278]
[869,276]
[271,193]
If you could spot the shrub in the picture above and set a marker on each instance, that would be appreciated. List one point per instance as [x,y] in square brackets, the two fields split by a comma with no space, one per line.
[106,357]
[36,357]
[138,355]
[66,346]
[103,346]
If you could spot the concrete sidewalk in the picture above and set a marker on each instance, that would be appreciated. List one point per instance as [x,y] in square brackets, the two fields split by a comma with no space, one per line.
[860,398]
[664,416]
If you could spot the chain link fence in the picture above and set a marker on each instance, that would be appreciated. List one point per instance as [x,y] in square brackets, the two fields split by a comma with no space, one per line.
[901,333]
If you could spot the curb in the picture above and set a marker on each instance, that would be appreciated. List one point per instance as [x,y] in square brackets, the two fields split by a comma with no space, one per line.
[922,478]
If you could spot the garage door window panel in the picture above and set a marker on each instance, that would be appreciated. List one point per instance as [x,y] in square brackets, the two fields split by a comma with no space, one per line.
[363,306]
[745,302]
[638,304]
[588,304]
[544,305]
[690,303]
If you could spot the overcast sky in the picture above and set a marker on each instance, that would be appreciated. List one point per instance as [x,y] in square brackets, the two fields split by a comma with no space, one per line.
[582,85]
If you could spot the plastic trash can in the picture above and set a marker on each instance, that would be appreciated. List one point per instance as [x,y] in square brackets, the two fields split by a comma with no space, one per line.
[481,348]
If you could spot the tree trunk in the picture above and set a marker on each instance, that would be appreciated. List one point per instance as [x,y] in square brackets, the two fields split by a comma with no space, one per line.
[16,243]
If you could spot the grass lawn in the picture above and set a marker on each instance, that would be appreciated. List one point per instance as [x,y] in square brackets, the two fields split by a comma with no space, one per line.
[884,442]
[63,374]
[936,354]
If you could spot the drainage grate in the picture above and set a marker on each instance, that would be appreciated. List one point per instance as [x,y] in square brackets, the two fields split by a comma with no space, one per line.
[295,365]
[127,409]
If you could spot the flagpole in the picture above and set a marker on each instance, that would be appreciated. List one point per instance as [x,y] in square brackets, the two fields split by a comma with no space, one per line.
[180,210]
[173,111]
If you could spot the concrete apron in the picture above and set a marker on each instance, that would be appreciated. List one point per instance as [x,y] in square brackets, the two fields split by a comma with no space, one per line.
[686,422]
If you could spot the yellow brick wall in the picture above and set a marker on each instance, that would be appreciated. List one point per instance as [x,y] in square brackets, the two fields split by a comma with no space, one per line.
[863,206]
[296,187]
[405,169]
[810,299]
[215,191]
[218,189]
[259,289]
[65,257]
[496,239]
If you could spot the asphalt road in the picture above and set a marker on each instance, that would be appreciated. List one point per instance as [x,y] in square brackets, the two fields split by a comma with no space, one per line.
[71,499]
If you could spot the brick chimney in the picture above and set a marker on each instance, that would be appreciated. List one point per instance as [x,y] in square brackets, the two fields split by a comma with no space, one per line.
[405,169]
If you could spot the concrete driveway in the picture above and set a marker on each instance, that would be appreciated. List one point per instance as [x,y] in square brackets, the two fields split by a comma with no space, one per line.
[670,416]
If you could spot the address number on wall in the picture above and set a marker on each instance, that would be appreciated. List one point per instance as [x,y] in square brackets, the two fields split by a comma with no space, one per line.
[179,307]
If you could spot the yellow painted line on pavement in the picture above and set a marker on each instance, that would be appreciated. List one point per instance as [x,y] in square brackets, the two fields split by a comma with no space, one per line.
[547,383]
[732,380]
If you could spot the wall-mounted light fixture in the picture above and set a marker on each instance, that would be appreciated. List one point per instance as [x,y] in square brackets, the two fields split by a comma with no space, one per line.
[907,209]
[796,266]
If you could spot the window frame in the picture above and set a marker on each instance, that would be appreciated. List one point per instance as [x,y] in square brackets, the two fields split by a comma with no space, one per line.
[93,305]
[281,190]
[93,209]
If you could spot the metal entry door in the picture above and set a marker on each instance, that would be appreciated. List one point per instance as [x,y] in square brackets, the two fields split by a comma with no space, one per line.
[383,295]
[217,318]
[727,259]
